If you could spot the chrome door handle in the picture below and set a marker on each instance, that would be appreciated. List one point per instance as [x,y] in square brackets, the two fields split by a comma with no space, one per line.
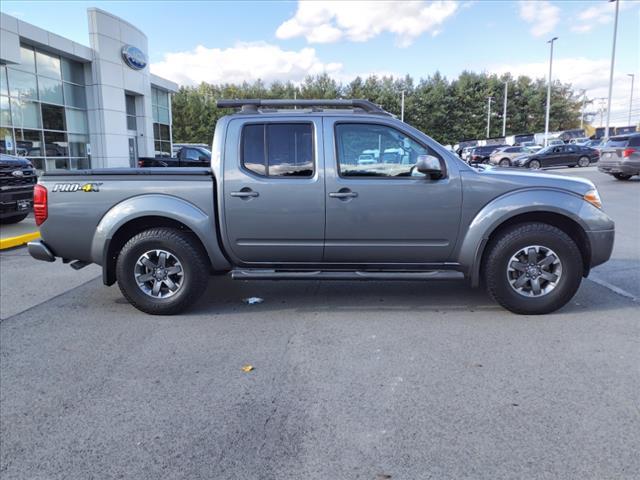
[343,194]
[244,194]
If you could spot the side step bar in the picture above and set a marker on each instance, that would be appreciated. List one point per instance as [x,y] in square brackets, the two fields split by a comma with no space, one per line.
[257,274]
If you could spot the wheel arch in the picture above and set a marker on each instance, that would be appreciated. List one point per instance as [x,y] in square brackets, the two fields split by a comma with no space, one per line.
[560,210]
[140,213]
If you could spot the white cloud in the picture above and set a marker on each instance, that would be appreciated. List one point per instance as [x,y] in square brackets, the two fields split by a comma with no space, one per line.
[242,62]
[598,14]
[331,21]
[582,73]
[543,15]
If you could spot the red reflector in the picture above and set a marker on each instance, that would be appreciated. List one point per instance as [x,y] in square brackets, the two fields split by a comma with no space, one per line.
[40,204]
[627,152]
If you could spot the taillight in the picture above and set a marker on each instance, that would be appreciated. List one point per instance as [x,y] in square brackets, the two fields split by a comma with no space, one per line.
[40,204]
[627,152]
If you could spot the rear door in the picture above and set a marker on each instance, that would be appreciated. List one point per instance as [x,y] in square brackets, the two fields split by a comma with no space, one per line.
[385,212]
[273,190]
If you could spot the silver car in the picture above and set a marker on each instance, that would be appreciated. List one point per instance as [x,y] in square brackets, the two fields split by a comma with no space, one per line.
[503,156]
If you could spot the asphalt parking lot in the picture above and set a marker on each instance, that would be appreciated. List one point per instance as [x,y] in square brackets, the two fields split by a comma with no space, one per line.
[402,380]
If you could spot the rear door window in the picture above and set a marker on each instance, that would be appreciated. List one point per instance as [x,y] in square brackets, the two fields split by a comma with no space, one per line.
[278,149]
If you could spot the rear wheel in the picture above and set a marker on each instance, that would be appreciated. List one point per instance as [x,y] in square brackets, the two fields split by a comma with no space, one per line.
[621,176]
[162,271]
[14,219]
[533,269]
[534,164]
[583,162]
[505,162]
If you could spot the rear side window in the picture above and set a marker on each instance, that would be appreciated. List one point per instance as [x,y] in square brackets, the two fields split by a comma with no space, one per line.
[278,149]
[617,142]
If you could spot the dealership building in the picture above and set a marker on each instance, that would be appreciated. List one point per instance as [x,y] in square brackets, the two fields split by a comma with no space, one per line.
[69,106]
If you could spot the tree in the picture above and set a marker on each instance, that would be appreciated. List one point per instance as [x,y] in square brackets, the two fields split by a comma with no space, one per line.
[447,110]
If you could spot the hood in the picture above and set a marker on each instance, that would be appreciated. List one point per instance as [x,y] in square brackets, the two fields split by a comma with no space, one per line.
[9,161]
[534,178]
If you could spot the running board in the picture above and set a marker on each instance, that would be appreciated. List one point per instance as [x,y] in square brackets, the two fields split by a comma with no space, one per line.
[258,274]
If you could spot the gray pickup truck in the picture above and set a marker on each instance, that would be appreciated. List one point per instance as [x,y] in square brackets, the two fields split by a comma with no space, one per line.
[286,198]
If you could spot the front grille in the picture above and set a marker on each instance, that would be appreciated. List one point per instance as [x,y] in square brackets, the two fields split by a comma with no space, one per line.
[7,179]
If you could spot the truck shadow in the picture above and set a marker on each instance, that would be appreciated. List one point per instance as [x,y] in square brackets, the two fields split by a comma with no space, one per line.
[226,296]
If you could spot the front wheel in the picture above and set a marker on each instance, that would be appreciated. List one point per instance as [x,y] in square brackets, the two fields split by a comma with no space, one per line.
[505,162]
[534,165]
[621,176]
[533,269]
[162,271]
[583,162]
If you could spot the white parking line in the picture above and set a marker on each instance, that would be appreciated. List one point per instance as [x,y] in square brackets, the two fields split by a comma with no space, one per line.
[613,288]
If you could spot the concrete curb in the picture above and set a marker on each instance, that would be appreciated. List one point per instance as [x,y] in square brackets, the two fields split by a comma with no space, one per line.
[11,242]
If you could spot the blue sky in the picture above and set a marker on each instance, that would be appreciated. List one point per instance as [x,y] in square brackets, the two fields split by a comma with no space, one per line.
[232,41]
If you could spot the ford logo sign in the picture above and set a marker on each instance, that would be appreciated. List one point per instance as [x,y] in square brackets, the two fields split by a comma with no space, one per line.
[17,173]
[134,57]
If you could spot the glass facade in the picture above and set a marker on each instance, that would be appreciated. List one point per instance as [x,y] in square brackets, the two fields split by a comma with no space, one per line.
[161,122]
[43,111]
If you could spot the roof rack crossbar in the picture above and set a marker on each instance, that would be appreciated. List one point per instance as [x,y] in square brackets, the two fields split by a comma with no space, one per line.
[254,104]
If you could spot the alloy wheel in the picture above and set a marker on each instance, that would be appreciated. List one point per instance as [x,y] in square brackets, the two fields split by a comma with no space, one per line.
[159,273]
[534,271]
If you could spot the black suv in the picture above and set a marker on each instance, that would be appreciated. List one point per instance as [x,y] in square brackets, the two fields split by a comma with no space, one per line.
[185,157]
[482,154]
[17,178]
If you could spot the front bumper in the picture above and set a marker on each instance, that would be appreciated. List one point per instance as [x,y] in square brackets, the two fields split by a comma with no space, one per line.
[16,201]
[601,242]
[40,251]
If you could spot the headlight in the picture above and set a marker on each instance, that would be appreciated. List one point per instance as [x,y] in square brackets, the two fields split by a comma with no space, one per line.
[593,197]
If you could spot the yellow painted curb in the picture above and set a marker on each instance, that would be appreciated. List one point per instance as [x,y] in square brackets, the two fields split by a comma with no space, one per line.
[19,240]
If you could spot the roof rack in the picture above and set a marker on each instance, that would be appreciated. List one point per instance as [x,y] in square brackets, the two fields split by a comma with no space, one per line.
[252,105]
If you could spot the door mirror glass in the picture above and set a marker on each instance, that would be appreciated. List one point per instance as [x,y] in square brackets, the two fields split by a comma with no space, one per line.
[429,165]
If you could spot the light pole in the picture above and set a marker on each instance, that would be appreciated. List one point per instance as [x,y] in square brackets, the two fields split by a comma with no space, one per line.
[546,120]
[504,109]
[613,60]
[631,96]
[584,102]
[402,107]
[488,114]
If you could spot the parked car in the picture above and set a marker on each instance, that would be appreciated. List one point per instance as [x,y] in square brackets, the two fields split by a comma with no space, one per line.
[17,178]
[620,156]
[366,159]
[273,207]
[466,152]
[504,155]
[558,156]
[555,141]
[175,148]
[185,157]
[482,154]
[579,141]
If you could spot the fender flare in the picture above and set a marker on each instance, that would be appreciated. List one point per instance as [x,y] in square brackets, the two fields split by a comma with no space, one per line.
[506,207]
[199,222]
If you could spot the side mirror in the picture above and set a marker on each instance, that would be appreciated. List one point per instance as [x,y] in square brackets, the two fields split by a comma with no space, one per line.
[429,165]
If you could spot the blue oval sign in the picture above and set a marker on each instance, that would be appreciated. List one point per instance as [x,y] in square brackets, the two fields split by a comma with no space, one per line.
[134,57]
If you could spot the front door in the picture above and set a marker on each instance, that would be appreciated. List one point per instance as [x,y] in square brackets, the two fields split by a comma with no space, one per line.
[274,191]
[379,209]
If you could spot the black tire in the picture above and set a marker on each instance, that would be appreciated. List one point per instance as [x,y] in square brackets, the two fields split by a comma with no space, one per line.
[535,165]
[194,262]
[500,251]
[621,176]
[14,219]
[584,162]
[505,162]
